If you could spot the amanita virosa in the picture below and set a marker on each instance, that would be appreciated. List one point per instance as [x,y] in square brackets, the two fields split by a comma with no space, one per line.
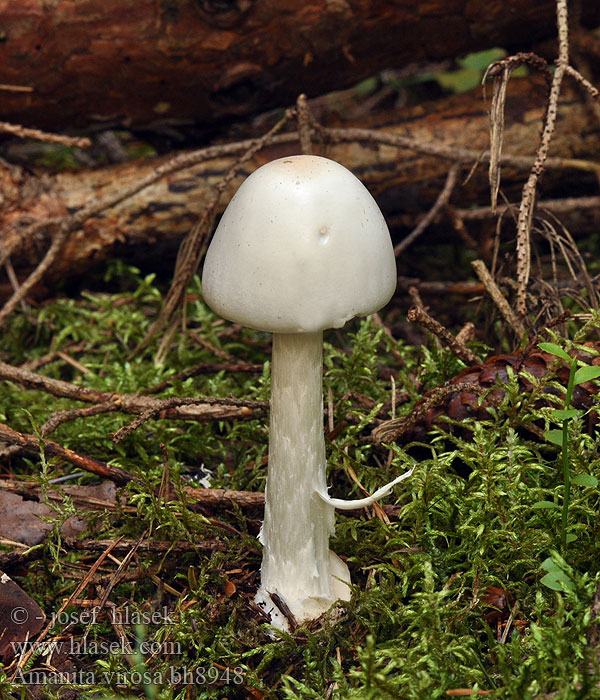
[302,247]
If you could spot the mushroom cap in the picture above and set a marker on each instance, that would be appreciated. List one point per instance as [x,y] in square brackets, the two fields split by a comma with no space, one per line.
[301,247]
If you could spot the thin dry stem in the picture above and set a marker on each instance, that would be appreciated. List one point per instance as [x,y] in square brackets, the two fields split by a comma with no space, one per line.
[498,298]
[33,445]
[440,202]
[199,408]
[194,245]
[392,429]
[420,316]
[529,190]
[304,118]
[501,71]
[593,92]
[25,133]
[36,275]
[24,658]
[568,204]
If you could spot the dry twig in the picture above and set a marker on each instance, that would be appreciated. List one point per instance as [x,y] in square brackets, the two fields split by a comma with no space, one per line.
[193,246]
[566,204]
[32,444]
[392,429]
[494,291]
[501,71]
[24,658]
[25,133]
[420,316]
[163,406]
[529,190]
[441,201]
[593,92]
[305,120]
[459,155]
[201,408]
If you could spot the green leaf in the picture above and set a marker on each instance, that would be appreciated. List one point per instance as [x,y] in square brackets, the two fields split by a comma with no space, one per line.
[545,504]
[554,436]
[557,581]
[587,373]
[459,80]
[480,60]
[550,565]
[565,414]
[555,349]
[585,480]
[556,578]
[570,537]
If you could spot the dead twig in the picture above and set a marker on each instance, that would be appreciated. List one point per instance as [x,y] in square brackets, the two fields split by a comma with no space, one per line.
[420,316]
[441,201]
[415,297]
[305,119]
[557,206]
[498,298]
[25,133]
[460,155]
[501,71]
[33,444]
[200,408]
[121,569]
[15,88]
[193,246]
[31,490]
[175,402]
[37,274]
[392,429]
[148,545]
[26,655]
[466,288]
[466,333]
[530,187]
[593,92]
[61,417]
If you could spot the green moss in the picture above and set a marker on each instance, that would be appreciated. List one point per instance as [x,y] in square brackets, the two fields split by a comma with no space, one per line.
[416,626]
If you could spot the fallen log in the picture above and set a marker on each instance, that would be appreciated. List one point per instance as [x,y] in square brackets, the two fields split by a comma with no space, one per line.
[133,62]
[403,159]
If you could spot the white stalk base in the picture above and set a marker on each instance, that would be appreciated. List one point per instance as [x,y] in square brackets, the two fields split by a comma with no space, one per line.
[312,607]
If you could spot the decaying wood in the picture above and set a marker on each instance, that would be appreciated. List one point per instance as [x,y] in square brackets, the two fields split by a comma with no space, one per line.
[124,62]
[156,216]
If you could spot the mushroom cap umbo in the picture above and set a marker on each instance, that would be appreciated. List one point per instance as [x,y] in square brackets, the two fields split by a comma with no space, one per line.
[301,247]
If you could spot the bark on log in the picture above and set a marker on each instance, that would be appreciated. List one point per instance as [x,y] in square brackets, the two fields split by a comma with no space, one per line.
[152,222]
[134,62]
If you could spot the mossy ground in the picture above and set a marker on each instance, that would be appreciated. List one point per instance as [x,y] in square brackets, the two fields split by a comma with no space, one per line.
[421,620]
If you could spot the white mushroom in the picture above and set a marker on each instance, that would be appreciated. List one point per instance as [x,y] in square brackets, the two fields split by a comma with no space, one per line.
[302,247]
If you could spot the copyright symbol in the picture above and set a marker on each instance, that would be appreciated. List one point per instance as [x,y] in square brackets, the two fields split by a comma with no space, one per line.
[19,616]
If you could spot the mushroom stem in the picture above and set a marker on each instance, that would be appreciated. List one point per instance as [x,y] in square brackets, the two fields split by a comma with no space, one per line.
[297,563]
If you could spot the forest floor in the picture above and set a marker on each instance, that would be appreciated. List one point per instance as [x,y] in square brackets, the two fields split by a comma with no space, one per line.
[478,576]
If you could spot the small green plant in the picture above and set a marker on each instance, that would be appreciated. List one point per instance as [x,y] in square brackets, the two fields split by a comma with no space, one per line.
[560,437]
